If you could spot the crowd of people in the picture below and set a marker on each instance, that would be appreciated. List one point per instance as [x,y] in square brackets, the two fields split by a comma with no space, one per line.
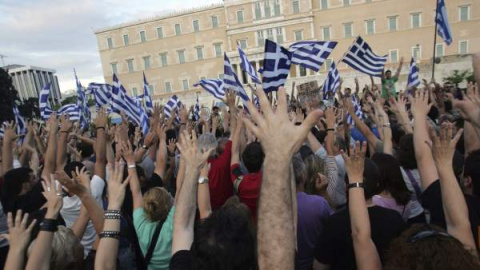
[282,185]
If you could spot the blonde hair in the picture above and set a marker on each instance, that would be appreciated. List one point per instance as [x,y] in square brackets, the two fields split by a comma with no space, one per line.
[157,203]
[67,252]
[314,165]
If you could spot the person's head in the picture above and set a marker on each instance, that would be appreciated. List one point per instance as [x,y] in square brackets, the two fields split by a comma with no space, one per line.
[85,149]
[222,142]
[67,251]
[348,91]
[226,239]
[17,182]
[424,246]
[215,110]
[206,142]
[471,173]
[253,157]
[315,174]
[299,171]
[397,133]
[339,144]
[371,174]
[391,178]
[72,166]
[157,203]
[305,151]
[388,74]
[170,134]
[406,153]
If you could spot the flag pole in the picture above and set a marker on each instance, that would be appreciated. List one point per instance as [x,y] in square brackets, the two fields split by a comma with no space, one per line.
[435,42]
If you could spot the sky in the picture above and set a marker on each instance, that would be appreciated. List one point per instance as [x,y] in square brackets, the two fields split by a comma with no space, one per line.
[59,34]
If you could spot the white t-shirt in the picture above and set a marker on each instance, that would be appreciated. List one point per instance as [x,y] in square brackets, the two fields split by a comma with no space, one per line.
[415,206]
[71,210]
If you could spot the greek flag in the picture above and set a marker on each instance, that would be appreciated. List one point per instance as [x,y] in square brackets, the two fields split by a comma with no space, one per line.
[361,58]
[82,104]
[212,86]
[247,67]
[441,19]
[101,92]
[256,102]
[231,80]
[196,110]
[122,102]
[276,66]
[146,96]
[332,82]
[71,110]
[358,111]
[44,106]
[311,54]
[21,125]
[171,105]
[413,80]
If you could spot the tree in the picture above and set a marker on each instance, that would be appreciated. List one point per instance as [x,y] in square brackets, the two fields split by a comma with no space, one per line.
[69,100]
[29,108]
[8,96]
[458,77]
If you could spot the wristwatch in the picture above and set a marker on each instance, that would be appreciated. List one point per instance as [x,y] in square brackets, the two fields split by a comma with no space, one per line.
[203,180]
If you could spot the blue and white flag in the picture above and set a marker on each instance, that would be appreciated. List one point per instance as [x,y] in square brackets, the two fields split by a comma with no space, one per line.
[441,19]
[171,105]
[361,58]
[311,54]
[196,110]
[230,79]
[71,110]
[21,125]
[247,66]
[276,66]
[413,79]
[358,111]
[146,96]
[44,106]
[332,82]
[121,102]
[101,92]
[82,104]
[216,87]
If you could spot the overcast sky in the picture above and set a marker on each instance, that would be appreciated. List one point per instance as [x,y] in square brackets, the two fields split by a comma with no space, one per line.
[58,34]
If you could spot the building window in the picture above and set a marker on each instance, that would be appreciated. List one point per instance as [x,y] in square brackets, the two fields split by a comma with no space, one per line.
[258,11]
[163,59]
[296,6]
[266,9]
[370,27]
[196,26]
[134,91]
[464,13]
[324,4]
[463,47]
[143,37]
[110,43]
[347,29]
[260,39]
[130,65]
[393,56]
[279,35]
[439,50]
[240,16]
[185,84]
[146,62]
[214,21]
[392,23]
[416,20]
[199,51]
[168,87]
[303,71]
[298,35]
[243,44]
[159,32]
[276,8]
[417,53]
[218,49]
[125,40]
[326,33]
[346,3]
[178,29]
[114,68]
[181,56]
[270,34]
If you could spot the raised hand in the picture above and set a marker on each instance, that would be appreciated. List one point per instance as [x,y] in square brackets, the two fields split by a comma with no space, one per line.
[73,185]
[420,106]
[443,144]
[183,113]
[127,152]
[18,233]
[171,146]
[354,162]
[299,115]
[330,117]
[65,124]
[10,133]
[53,194]
[102,119]
[193,157]
[150,139]
[52,123]
[230,98]
[83,176]
[116,188]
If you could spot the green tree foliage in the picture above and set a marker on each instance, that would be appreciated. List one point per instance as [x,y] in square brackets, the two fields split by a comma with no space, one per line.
[8,96]
[458,77]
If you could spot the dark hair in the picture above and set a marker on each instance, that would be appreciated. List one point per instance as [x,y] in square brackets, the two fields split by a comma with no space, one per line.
[226,239]
[13,181]
[305,151]
[472,170]
[319,134]
[397,133]
[170,134]
[388,71]
[86,149]
[406,153]
[371,174]
[253,157]
[391,178]
[299,169]
[437,252]
[71,166]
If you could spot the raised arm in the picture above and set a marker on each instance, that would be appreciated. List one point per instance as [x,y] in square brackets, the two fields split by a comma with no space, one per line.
[49,163]
[18,238]
[65,128]
[161,158]
[127,153]
[399,69]
[230,95]
[203,194]
[280,139]
[361,126]
[7,150]
[237,133]
[100,144]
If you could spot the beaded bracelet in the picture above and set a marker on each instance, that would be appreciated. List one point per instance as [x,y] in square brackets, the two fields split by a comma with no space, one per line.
[110,234]
[48,225]
[113,214]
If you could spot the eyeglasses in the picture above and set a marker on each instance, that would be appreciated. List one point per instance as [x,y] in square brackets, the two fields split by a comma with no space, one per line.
[427,234]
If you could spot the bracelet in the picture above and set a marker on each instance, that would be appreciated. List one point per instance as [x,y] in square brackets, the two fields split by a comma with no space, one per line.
[100,128]
[330,129]
[113,214]
[110,234]
[48,225]
[132,166]
[63,131]
[355,185]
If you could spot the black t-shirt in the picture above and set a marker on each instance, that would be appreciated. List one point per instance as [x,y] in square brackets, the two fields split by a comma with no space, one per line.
[30,202]
[432,200]
[335,246]
[181,260]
